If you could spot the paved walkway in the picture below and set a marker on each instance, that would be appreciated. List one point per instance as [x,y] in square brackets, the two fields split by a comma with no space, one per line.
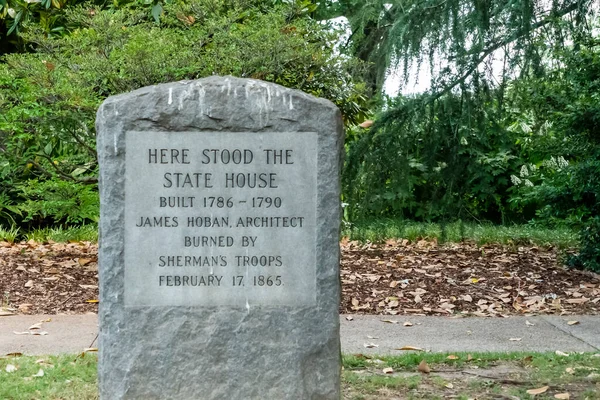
[73,333]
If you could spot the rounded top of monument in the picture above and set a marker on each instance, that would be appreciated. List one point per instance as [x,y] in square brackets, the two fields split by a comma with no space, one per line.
[229,85]
[220,103]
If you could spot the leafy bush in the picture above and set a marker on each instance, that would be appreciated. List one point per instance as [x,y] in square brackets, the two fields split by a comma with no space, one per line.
[47,132]
[456,164]
[564,183]
[523,151]
[589,251]
[59,201]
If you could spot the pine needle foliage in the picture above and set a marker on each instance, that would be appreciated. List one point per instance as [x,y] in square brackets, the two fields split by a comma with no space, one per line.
[457,37]
[451,152]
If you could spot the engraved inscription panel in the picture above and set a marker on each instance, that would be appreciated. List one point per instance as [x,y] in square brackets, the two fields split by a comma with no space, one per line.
[220,218]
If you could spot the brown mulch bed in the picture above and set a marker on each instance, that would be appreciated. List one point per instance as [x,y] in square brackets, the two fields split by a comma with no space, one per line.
[399,277]
[393,278]
[52,278]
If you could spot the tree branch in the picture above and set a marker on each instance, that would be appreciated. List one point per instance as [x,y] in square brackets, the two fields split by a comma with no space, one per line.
[40,168]
[85,145]
[61,173]
[517,35]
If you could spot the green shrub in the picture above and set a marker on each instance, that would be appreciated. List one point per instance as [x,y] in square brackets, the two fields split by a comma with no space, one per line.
[454,165]
[57,201]
[48,98]
[589,251]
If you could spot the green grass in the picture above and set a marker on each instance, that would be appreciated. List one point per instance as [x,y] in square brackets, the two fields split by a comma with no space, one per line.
[374,231]
[66,377]
[382,229]
[71,377]
[372,383]
[80,233]
[363,377]
[9,234]
[410,361]
[56,234]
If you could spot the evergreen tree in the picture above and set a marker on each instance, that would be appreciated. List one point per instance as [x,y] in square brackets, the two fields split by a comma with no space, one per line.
[457,37]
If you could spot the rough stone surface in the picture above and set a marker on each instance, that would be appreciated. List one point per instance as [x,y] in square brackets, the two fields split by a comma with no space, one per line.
[223,351]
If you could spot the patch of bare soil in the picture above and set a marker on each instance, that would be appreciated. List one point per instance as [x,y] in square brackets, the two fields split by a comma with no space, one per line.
[397,277]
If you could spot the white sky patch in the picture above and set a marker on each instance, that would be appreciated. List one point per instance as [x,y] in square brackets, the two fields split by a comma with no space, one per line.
[419,81]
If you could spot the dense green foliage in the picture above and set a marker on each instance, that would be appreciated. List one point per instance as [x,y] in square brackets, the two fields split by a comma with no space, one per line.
[455,165]
[498,155]
[49,97]
[526,152]
[455,37]
[508,132]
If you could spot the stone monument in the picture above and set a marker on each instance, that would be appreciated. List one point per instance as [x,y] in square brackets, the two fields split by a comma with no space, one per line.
[219,230]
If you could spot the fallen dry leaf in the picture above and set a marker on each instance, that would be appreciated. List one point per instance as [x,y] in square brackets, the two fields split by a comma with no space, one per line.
[423,367]
[39,374]
[24,308]
[349,318]
[29,283]
[449,386]
[573,323]
[388,370]
[562,354]
[537,391]
[529,323]
[84,261]
[370,345]
[389,321]
[37,325]
[4,313]
[578,301]
[407,323]
[409,348]
[515,339]
[562,396]
[509,282]
[10,368]
[452,357]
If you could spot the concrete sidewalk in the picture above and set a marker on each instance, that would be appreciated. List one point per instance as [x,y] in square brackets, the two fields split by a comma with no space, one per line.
[366,334]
